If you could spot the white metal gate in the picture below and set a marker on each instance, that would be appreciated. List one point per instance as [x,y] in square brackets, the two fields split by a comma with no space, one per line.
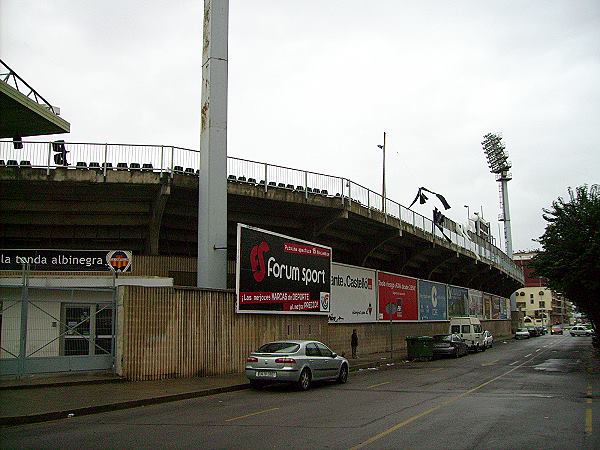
[54,329]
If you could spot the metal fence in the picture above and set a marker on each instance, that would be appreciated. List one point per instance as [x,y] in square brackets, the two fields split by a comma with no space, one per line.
[172,160]
[55,329]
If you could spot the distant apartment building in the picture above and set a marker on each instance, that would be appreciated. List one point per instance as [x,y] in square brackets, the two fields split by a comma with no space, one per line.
[537,304]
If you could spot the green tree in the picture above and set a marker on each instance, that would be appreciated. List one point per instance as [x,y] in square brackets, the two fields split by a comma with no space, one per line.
[570,256]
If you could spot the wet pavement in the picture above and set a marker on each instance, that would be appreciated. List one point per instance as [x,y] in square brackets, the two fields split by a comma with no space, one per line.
[42,398]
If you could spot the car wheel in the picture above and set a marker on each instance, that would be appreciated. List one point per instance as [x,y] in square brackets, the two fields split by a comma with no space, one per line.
[456,352]
[484,348]
[304,381]
[343,376]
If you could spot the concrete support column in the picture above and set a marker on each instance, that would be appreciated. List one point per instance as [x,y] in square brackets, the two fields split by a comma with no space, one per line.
[212,196]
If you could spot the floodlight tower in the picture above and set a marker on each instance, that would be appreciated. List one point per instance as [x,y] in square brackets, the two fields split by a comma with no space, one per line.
[497,158]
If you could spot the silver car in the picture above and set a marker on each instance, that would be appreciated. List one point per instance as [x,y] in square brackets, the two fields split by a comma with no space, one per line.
[296,361]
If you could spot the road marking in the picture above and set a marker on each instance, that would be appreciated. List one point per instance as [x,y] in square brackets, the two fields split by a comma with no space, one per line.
[441,405]
[375,385]
[252,414]
[528,355]
[513,363]
[538,350]
[436,369]
[491,363]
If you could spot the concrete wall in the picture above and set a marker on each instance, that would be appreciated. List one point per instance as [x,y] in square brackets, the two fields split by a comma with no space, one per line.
[181,332]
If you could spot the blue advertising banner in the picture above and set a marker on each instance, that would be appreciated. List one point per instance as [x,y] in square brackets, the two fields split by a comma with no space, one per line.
[433,302]
[458,301]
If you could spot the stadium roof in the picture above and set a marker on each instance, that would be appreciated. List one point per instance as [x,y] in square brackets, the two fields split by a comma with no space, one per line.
[24,111]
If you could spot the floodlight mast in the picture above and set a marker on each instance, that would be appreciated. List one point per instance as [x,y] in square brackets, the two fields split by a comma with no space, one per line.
[497,158]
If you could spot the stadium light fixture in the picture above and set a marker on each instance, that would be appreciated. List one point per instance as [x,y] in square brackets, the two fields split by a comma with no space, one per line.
[499,164]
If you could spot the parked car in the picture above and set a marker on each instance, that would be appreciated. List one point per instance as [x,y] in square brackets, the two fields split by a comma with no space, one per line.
[533,331]
[580,330]
[522,333]
[541,330]
[449,345]
[295,361]
[488,340]
[556,329]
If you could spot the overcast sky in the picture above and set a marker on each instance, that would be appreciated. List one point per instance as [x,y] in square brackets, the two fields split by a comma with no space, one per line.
[313,85]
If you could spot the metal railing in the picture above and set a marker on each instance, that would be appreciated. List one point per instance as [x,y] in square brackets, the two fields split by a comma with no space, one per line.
[172,160]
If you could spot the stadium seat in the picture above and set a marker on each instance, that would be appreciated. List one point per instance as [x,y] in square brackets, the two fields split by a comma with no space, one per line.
[121,166]
[107,165]
[81,165]
[290,187]
[242,179]
[252,180]
[281,185]
[147,167]
[2,162]
[300,188]
[134,166]
[178,169]
[316,191]
[12,163]
[324,192]
[272,184]
[189,171]
[95,165]
[25,163]
[232,178]
[309,189]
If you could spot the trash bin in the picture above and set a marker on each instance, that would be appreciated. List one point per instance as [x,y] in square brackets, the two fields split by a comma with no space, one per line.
[419,347]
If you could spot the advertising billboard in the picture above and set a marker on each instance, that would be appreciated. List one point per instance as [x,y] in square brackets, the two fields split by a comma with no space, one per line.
[495,307]
[458,301]
[353,294]
[503,312]
[278,274]
[475,303]
[433,303]
[397,297]
[487,306]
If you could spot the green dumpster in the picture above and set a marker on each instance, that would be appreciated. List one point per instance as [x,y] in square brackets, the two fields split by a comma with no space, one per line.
[419,347]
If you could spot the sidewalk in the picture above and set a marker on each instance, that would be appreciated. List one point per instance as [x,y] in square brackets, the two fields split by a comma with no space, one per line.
[44,398]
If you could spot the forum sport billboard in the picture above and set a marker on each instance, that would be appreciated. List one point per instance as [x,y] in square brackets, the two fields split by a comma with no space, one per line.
[433,303]
[353,294]
[397,296]
[278,274]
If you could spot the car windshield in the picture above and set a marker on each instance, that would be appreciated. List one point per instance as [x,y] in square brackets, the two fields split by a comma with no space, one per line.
[279,347]
[441,338]
[522,329]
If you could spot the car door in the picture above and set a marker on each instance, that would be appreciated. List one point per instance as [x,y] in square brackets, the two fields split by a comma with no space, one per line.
[331,365]
[315,360]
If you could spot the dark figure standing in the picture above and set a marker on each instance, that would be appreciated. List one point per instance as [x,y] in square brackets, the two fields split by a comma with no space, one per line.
[354,343]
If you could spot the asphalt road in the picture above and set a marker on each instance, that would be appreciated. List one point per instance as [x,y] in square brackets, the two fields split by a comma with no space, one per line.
[536,393]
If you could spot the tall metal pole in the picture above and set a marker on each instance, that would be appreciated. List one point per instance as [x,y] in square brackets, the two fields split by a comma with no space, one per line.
[504,179]
[383,206]
[212,189]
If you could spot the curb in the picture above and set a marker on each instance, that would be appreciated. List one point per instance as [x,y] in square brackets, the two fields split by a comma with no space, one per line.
[56,415]
[88,410]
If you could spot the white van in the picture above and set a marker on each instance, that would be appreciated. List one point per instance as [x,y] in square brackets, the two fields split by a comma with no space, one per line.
[468,328]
